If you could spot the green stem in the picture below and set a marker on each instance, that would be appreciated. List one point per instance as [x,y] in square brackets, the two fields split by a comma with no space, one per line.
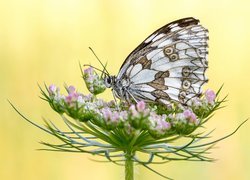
[129,167]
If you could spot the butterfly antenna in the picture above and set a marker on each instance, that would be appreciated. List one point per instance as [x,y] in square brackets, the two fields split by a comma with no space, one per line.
[102,71]
[92,67]
[104,67]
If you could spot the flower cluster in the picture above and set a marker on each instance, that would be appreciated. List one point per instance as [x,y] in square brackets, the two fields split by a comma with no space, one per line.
[159,121]
[74,104]
[93,82]
[118,130]
[158,125]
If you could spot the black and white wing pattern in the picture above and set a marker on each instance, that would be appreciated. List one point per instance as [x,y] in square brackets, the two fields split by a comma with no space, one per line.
[169,65]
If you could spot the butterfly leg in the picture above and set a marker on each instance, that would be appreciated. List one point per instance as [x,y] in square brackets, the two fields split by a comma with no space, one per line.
[131,97]
[116,103]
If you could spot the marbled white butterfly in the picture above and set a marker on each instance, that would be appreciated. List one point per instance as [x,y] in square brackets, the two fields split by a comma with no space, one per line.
[168,66]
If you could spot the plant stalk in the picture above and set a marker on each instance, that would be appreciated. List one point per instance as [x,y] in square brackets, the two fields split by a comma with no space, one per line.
[129,167]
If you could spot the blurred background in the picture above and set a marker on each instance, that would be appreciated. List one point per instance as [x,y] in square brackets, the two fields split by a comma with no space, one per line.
[43,41]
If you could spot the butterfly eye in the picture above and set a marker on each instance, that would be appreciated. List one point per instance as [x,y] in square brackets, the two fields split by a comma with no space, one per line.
[108,81]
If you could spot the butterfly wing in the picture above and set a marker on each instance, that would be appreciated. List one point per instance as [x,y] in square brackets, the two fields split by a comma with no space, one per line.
[170,64]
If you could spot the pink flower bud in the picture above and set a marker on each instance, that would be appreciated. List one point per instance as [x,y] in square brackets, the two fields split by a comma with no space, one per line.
[210,96]
[71,89]
[114,117]
[52,89]
[196,102]
[88,71]
[165,125]
[140,106]
[106,113]
[133,110]
[159,122]
[188,114]
[80,100]
[124,115]
[68,99]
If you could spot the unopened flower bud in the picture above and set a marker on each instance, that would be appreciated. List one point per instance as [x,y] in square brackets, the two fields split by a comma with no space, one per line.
[210,96]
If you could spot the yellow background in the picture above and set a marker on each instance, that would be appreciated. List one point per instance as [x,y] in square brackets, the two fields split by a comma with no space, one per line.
[43,41]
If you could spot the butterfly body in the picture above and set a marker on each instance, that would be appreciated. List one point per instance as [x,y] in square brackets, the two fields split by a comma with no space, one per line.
[168,66]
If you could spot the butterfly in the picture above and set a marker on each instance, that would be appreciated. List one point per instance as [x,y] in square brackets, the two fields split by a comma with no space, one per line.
[168,66]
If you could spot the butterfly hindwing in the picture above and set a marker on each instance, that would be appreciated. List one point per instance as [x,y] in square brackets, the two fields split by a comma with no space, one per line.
[170,64]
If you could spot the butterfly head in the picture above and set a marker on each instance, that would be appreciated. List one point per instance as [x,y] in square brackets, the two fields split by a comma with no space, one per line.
[109,81]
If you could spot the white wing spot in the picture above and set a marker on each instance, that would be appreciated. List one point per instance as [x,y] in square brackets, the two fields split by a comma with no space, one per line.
[175,29]
[160,56]
[158,37]
[153,53]
[150,38]
[142,87]
[182,46]
[147,95]
[183,32]
[191,41]
[201,33]
[196,28]
[129,69]
[173,93]
[192,53]
[165,43]
[135,70]
[173,25]
[144,76]
[163,65]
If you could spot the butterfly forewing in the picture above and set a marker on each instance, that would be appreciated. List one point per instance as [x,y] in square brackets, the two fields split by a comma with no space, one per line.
[169,65]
